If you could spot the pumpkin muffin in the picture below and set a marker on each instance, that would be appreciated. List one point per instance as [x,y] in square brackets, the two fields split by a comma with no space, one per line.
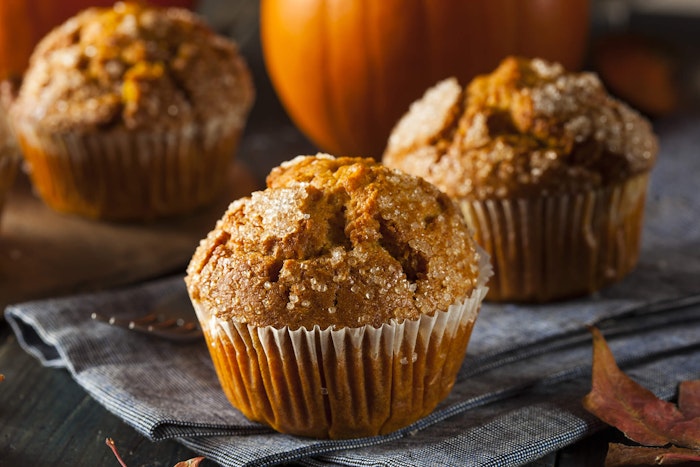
[339,301]
[550,172]
[132,112]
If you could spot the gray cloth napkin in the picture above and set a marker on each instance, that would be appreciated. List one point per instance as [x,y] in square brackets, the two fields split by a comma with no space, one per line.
[518,395]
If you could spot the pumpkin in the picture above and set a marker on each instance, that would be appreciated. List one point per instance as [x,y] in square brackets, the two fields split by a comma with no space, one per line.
[345,71]
[23,23]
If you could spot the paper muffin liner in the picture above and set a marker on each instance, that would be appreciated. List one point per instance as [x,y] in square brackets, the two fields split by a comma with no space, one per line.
[555,247]
[130,175]
[344,383]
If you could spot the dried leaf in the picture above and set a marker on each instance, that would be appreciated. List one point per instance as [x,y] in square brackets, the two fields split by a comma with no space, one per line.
[622,455]
[689,398]
[194,462]
[637,412]
[2,377]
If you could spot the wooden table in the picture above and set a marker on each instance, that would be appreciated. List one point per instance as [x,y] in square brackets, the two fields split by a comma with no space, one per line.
[45,417]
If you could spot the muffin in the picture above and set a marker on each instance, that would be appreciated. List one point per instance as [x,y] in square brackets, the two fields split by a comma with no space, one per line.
[132,112]
[339,301]
[550,172]
[9,153]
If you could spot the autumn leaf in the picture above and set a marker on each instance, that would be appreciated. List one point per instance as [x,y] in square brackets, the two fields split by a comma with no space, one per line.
[689,398]
[2,377]
[620,455]
[621,402]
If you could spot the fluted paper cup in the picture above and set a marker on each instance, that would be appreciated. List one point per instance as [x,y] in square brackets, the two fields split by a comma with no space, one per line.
[343,383]
[130,175]
[554,247]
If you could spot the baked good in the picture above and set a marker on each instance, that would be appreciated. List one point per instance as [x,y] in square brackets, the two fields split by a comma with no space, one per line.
[550,171]
[339,301]
[9,153]
[132,112]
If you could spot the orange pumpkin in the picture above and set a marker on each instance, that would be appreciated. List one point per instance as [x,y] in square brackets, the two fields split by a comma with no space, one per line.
[346,71]
[24,22]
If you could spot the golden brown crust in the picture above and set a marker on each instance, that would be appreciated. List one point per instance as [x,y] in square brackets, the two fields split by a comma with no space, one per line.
[135,67]
[341,242]
[527,129]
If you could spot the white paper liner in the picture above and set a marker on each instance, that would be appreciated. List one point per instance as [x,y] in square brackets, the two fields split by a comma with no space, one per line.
[130,175]
[556,247]
[342,383]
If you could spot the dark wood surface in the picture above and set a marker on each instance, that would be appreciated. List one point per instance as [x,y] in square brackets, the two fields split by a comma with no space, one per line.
[45,417]
[48,420]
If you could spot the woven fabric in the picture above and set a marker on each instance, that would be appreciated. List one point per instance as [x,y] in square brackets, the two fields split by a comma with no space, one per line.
[518,394]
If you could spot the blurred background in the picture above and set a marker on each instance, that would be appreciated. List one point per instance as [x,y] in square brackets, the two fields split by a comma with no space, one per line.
[670,27]
[647,52]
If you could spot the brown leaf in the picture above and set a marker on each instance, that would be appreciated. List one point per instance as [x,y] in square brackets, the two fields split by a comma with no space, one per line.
[637,412]
[2,377]
[689,398]
[194,462]
[622,455]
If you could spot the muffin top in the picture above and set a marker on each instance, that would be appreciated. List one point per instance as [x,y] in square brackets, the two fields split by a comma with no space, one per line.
[133,66]
[528,129]
[335,242]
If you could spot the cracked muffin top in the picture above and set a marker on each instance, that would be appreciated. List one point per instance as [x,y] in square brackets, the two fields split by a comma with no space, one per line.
[133,66]
[528,129]
[335,242]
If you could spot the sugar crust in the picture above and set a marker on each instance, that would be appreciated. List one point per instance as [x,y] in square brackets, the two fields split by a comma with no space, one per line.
[529,128]
[335,242]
